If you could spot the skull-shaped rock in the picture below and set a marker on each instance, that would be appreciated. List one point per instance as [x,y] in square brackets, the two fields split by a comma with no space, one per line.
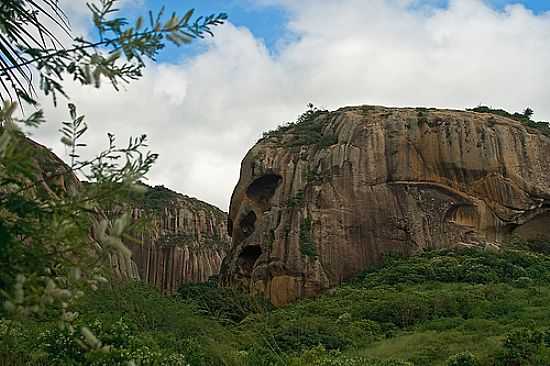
[320,201]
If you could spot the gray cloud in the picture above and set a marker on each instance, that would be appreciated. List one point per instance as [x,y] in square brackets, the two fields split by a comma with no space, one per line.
[202,114]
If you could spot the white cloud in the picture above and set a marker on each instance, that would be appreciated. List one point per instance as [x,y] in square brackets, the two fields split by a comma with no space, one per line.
[202,114]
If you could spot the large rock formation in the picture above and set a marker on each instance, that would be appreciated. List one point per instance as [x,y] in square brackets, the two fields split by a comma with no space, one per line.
[319,201]
[183,240]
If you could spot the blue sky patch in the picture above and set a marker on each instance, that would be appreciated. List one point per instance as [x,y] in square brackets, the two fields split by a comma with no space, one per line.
[268,23]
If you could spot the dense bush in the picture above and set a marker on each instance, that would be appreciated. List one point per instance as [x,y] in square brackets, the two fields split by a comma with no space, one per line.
[463,359]
[524,346]
[468,266]
[427,318]
[225,304]
[524,117]
[117,343]
[307,130]
[319,356]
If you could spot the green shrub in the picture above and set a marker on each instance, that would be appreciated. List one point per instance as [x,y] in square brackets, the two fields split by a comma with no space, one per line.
[117,346]
[226,304]
[423,309]
[262,356]
[319,356]
[470,266]
[524,117]
[463,359]
[302,334]
[307,130]
[521,346]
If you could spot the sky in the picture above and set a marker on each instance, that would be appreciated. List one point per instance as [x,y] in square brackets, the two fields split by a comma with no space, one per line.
[204,106]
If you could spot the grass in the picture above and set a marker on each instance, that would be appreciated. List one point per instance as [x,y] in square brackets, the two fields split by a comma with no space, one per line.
[410,311]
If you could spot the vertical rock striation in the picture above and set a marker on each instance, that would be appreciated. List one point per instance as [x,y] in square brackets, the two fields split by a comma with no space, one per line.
[178,239]
[319,201]
[182,240]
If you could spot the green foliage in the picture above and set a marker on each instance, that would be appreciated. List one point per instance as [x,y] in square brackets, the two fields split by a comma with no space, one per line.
[228,305]
[469,266]
[463,359]
[296,335]
[307,130]
[318,356]
[297,200]
[117,343]
[422,118]
[524,117]
[118,55]
[57,237]
[428,319]
[47,253]
[307,244]
[540,246]
[133,322]
[521,347]
[314,177]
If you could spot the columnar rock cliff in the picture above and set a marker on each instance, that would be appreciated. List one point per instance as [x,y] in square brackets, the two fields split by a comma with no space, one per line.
[319,201]
[177,239]
[183,240]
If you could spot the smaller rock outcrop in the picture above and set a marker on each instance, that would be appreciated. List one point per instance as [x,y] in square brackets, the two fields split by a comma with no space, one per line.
[177,239]
[182,240]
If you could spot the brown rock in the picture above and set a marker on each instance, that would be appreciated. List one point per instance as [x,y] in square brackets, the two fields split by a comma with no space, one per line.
[184,240]
[319,202]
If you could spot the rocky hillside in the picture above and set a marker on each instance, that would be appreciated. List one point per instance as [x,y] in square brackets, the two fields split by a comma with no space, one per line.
[323,199]
[183,240]
[180,239]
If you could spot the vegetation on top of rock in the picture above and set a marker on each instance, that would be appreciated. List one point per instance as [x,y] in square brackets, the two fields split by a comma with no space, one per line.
[524,117]
[307,130]
[159,196]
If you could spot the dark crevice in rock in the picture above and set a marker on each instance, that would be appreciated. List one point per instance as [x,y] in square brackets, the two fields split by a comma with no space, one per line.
[248,257]
[230,227]
[248,224]
[262,189]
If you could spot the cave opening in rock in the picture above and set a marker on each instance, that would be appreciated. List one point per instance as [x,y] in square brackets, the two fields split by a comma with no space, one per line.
[262,189]
[248,224]
[248,257]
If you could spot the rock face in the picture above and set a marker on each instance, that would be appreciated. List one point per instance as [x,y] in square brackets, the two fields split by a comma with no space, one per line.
[319,201]
[180,239]
[183,239]
[52,177]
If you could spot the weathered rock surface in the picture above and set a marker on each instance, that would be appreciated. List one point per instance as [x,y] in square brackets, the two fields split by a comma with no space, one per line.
[319,202]
[183,241]
[51,176]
